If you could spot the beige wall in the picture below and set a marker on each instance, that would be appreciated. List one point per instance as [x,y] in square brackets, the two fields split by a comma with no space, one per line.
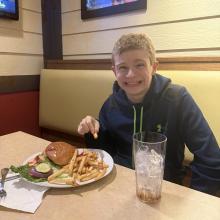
[21,47]
[177,28]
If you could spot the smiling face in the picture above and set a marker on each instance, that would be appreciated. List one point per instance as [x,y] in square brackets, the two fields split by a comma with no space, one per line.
[133,72]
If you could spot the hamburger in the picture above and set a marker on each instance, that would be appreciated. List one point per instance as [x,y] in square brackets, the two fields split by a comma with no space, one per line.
[60,152]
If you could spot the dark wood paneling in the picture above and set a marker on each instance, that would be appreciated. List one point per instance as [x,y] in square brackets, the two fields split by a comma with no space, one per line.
[190,63]
[52,29]
[171,63]
[19,83]
[96,64]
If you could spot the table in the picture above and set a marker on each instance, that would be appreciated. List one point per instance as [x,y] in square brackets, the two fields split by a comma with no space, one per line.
[110,198]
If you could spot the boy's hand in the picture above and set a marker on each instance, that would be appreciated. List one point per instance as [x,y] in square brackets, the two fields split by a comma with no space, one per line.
[89,124]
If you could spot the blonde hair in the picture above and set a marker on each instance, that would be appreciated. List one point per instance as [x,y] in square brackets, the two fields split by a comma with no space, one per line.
[134,41]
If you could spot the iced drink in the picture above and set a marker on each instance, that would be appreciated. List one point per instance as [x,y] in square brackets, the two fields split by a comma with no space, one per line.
[149,155]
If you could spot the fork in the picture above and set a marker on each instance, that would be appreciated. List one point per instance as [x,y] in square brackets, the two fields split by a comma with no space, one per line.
[4,173]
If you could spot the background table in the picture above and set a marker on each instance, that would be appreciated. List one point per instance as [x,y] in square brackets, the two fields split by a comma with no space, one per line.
[110,198]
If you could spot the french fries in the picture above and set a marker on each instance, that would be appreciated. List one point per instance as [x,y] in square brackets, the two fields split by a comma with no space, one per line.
[82,167]
[95,135]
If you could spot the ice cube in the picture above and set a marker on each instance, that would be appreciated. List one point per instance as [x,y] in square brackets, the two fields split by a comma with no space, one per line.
[155,164]
[155,157]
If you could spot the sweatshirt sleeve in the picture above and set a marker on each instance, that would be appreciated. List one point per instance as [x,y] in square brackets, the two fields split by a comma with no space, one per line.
[200,140]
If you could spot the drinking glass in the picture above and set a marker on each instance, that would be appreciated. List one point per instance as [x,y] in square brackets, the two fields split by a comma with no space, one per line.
[149,150]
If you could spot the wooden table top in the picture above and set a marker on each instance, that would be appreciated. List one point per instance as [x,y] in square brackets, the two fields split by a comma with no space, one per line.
[113,197]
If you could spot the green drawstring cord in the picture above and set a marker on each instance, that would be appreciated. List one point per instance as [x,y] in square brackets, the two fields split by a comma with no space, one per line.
[134,131]
[135,119]
[141,118]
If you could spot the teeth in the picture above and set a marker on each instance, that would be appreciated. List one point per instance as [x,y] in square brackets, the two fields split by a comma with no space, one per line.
[133,83]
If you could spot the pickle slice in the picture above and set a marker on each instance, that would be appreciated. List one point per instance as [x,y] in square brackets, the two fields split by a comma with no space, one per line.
[43,168]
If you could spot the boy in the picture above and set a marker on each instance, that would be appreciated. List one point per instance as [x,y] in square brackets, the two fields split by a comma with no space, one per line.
[145,101]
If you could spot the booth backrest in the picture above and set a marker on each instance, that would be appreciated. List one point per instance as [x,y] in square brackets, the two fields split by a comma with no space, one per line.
[67,96]
[204,87]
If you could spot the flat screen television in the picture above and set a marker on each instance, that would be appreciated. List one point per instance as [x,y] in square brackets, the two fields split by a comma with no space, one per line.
[9,9]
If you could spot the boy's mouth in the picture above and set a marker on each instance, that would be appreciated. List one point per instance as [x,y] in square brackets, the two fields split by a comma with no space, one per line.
[133,83]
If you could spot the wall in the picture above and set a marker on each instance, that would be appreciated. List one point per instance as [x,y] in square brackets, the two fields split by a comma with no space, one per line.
[21,58]
[177,28]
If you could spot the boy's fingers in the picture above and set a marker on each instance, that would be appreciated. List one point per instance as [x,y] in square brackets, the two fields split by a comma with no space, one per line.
[97,127]
[91,128]
[96,130]
[91,124]
[83,128]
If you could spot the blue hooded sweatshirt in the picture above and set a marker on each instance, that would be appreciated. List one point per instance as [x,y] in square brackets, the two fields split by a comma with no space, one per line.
[168,109]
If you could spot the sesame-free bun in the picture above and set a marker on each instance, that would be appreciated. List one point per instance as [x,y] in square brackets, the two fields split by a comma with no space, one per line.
[60,152]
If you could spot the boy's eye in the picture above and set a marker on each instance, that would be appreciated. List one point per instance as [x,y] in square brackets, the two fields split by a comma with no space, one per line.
[140,65]
[122,68]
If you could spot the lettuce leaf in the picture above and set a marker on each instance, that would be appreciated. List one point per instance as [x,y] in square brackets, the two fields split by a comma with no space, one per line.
[23,171]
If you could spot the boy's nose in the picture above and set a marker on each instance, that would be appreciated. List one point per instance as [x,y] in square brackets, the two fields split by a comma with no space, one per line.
[130,73]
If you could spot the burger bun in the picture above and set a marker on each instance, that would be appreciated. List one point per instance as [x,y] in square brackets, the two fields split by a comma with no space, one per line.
[60,152]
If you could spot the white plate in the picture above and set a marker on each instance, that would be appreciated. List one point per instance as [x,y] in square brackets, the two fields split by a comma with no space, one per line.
[102,155]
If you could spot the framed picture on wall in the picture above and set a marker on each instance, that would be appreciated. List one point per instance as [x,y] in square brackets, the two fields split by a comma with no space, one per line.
[98,8]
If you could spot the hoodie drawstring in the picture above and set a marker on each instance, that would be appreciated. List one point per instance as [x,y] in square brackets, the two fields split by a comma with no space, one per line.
[134,129]
[135,119]
[141,118]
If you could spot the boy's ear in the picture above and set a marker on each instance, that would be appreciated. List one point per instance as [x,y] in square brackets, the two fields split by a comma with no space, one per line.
[113,69]
[155,66]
